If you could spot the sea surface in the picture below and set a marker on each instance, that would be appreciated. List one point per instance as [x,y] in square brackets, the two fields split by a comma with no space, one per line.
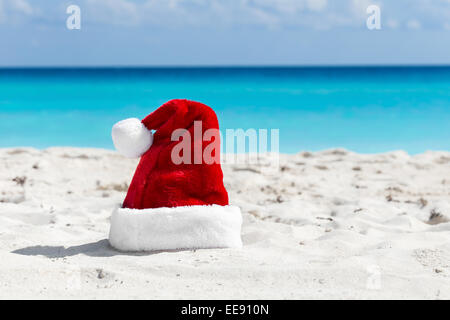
[364,109]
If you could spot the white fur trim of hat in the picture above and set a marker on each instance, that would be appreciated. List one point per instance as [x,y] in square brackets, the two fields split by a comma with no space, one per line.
[189,227]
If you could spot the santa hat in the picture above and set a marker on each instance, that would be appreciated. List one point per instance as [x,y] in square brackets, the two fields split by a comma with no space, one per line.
[172,205]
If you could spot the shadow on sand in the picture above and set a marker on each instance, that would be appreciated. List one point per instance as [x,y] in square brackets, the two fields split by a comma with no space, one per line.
[100,248]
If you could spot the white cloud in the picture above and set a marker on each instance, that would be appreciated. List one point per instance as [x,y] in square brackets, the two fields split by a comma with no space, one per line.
[287,6]
[283,6]
[317,5]
[2,11]
[269,13]
[13,11]
[359,7]
[392,23]
[121,12]
[305,14]
[21,6]
[414,24]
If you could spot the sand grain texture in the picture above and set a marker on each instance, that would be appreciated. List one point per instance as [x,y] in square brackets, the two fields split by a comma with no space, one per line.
[331,224]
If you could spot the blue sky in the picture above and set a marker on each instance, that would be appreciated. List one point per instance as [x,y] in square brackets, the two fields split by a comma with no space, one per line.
[223,32]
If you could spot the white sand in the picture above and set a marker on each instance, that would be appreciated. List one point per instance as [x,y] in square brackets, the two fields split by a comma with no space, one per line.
[332,224]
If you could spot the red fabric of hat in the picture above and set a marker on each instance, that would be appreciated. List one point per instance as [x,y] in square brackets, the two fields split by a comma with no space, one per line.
[158,182]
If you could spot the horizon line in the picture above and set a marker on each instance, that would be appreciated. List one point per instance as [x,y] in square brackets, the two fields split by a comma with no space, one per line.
[224,66]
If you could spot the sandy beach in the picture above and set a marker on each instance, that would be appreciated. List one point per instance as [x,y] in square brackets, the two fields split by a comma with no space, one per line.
[331,224]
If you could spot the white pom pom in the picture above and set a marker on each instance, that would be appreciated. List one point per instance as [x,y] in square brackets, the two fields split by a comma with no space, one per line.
[131,138]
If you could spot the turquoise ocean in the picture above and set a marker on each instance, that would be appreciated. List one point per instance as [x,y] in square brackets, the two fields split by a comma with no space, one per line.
[364,109]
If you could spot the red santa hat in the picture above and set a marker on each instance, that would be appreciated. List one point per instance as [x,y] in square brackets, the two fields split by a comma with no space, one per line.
[172,205]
